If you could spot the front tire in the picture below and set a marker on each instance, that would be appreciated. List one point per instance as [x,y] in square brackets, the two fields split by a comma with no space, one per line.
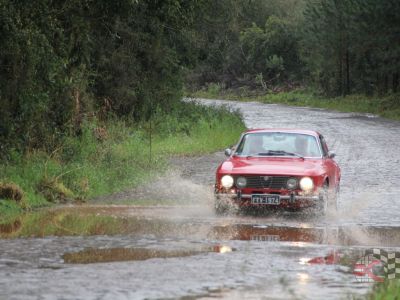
[328,200]
[323,200]
[224,207]
[219,208]
[337,195]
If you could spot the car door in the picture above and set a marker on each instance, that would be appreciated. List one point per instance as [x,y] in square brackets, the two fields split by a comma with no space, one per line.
[331,167]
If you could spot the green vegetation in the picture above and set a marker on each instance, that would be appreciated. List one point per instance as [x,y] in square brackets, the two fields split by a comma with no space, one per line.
[100,162]
[86,87]
[346,52]
[337,47]
[66,61]
[252,44]
[84,84]
[81,80]
[389,290]
[351,46]
[385,106]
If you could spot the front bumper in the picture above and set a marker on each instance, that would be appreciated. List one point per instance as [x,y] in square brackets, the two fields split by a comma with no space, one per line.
[291,200]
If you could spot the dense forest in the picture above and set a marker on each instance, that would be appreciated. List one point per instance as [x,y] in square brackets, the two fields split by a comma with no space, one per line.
[338,46]
[63,62]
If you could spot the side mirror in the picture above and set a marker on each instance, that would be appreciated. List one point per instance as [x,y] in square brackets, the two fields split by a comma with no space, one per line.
[228,152]
[331,154]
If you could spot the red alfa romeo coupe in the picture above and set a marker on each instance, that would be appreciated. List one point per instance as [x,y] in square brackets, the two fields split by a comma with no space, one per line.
[278,168]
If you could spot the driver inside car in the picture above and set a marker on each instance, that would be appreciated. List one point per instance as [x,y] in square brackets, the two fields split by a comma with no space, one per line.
[256,145]
[301,145]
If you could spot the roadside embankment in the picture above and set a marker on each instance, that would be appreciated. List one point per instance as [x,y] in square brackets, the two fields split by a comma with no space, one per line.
[384,106]
[114,155]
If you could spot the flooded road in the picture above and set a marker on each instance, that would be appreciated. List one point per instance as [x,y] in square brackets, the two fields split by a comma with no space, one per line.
[105,251]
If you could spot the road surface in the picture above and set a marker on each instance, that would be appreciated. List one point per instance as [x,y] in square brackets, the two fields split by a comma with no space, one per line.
[186,252]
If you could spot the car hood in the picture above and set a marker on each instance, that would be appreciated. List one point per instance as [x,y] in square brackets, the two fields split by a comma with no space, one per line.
[272,166]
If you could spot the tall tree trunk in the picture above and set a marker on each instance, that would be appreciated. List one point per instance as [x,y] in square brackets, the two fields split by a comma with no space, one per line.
[378,84]
[77,117]
[347,72]
[340,73]
[385,84]
[395,82]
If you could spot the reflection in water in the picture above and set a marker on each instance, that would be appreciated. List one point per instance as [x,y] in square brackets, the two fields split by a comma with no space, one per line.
[64,222]
[266,233]
[369,268]
[223,249]
[332,258]
[366,265]
[344,236]
[303,278]
[93,255]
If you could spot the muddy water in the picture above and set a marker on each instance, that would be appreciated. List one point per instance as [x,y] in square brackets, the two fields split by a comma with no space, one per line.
[124,252]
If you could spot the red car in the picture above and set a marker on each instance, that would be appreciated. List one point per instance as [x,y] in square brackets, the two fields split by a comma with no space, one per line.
[278,168]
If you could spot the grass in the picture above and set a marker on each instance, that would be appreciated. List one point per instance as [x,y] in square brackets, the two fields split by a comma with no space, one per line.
[387,106]
[85,167]
[389,290]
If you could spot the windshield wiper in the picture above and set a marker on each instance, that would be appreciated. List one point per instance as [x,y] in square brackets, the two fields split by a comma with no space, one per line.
[280,152]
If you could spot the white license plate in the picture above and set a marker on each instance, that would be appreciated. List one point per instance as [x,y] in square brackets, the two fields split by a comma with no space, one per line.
[266,199]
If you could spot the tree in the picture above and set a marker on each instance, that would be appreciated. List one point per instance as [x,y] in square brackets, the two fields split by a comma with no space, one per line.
[353,45]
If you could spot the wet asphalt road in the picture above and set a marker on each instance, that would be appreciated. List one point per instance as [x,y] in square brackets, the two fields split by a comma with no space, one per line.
[284,256]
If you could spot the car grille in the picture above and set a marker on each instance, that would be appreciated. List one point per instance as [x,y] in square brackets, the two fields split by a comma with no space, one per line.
[272,182]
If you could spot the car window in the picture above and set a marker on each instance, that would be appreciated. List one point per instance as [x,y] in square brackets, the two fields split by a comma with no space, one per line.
[261,142]
[324,146]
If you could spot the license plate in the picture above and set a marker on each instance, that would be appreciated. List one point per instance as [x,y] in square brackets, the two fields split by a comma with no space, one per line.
[266,199]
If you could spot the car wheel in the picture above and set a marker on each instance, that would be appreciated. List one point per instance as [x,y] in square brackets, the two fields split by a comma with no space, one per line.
[323,203]
[336,198]
[328,200]
[333,197]
[224,207]
[220,209]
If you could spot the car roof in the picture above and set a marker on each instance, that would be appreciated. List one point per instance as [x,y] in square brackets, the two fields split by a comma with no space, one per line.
[285,130]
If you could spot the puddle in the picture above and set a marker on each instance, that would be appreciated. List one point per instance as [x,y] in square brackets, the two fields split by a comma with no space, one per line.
[64,222]
[91,222]
[89,256]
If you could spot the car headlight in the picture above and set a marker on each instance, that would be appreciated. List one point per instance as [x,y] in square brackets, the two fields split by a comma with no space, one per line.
[306,184]
[227,181]
[241,182]
[291,183]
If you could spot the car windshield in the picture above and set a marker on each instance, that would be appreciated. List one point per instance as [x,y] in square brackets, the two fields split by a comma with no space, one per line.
[278,144]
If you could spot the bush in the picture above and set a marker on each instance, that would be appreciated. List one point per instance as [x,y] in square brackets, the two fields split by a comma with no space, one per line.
[11,191]
[85,167]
